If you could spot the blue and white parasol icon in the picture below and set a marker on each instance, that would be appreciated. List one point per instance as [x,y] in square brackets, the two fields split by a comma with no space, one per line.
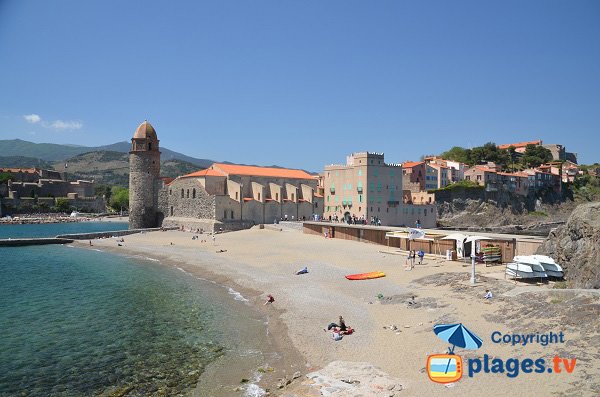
[457,335]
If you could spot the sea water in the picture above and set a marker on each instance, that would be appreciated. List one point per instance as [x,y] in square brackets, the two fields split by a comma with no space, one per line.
[81,322]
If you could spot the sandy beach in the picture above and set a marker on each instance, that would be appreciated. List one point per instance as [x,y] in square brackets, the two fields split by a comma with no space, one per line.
[391,334]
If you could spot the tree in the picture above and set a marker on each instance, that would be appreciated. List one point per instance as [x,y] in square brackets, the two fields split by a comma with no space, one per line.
[5,177]
[535,155]
[62,205]
[119,199]
[458,153]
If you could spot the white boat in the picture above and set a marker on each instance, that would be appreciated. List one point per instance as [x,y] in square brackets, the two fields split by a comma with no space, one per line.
[519,270]
[548,263]
[535,265]
[552,273]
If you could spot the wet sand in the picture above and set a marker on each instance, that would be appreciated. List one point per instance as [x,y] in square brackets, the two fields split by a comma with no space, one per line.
[262,262]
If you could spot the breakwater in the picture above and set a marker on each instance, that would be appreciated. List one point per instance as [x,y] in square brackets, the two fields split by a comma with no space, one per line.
[69,238]
[21,242]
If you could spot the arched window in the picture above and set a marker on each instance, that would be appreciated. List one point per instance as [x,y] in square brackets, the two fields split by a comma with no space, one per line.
[149,145]
[194,193]
[188,193]
[182,191]
[170,192]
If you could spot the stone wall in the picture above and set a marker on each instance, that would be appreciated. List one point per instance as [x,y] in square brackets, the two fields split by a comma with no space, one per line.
[144,170]
[187,198]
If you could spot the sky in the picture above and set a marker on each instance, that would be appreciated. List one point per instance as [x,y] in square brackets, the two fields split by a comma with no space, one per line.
[302,84]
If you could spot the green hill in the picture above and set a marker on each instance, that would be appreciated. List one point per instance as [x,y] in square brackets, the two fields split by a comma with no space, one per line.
[52,152]
[112,168]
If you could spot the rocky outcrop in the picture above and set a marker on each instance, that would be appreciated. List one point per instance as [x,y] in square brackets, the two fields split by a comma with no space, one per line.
[348,379]
[576,246]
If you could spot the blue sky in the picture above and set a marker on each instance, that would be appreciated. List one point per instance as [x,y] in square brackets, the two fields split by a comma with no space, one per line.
[302,83]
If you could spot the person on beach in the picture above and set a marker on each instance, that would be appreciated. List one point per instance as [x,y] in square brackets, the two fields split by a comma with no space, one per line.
[488,294]
[340,327]
[421,255]
[91,245]
[304,270]
[214,239]
[410,260]
[270,299]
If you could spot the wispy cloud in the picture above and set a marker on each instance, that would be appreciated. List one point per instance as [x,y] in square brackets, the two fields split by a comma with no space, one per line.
[65,125]
[58,125]
[32,118]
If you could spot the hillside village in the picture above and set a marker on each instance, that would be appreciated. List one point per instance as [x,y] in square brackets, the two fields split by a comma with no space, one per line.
[531,171]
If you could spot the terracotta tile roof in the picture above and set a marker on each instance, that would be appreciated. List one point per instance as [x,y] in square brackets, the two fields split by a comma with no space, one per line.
[202,173]
[410,164]
[520,144]
[235,169]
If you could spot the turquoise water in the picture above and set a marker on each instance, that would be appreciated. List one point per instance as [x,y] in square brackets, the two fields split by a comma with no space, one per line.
[53,229]
[79,322]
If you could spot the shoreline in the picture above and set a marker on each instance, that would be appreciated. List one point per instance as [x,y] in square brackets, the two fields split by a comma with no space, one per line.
[223,377]
[30,220]
[263,261]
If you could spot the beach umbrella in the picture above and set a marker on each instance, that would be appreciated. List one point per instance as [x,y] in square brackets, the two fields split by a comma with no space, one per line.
[457,335]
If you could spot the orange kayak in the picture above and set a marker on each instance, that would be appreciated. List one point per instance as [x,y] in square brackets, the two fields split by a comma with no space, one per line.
[365,276]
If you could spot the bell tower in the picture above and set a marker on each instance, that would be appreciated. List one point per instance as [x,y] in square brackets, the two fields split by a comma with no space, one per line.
[144,173]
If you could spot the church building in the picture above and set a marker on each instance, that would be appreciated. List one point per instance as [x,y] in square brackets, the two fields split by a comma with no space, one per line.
[221,197]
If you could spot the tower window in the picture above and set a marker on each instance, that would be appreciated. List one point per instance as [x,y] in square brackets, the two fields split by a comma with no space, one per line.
[188,193]
[258,196]
[276,196]
[194,193]
[171,210]
[170,192]
[182,193]
[231,214]
[149,145]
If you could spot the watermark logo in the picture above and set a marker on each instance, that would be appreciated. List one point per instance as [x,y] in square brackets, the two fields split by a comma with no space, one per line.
[448,368]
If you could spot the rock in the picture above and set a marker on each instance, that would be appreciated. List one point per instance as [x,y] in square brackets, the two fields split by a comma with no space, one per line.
[296,375]
[344,379]
[576,246]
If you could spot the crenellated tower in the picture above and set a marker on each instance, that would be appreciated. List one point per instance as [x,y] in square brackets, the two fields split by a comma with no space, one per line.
[144,173]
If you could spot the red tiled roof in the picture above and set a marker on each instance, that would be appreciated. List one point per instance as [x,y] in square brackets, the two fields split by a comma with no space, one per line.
[206,172]
[410,164]
[235,169]
[520,144]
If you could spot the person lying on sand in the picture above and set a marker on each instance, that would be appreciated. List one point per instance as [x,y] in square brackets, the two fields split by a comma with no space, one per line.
[270,299]
[219,251]
[340,327]
[302,271]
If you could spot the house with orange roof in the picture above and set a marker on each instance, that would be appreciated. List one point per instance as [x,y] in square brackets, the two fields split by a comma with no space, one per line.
[419,176]
[483,175]
[520,146]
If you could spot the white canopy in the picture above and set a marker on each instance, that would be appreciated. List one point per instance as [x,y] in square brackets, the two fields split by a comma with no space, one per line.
[475,238]
[455,236]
